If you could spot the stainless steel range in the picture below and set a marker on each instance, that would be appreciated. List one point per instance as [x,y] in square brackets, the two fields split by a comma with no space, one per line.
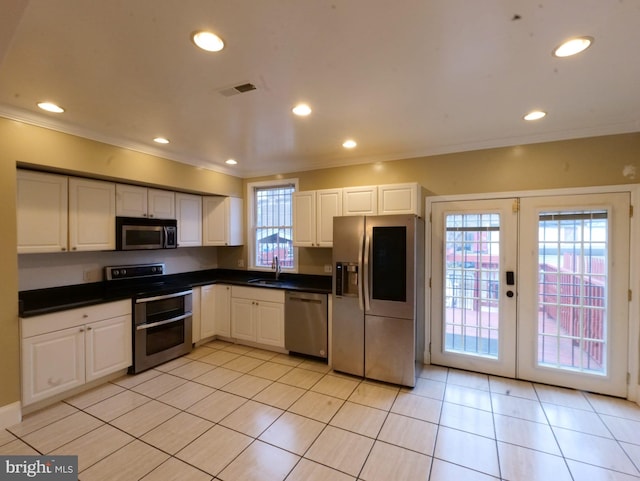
[162,314]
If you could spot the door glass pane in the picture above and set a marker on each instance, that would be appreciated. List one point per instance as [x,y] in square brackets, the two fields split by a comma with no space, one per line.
[572,290]
[389,264]
[472,283]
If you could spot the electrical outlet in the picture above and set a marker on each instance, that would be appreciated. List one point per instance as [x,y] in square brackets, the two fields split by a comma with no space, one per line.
[328,268]
[240,262]
[91,275]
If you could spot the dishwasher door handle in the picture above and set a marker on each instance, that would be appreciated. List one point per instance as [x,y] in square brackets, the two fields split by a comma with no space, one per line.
[304,299]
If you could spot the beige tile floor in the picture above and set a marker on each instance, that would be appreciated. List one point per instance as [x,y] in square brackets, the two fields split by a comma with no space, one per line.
[228,412]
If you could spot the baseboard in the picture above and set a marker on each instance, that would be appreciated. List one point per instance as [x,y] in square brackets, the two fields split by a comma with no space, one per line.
[10,414]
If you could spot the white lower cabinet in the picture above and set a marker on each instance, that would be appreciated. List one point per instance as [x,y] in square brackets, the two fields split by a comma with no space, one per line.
[107,347]
[52,363]
[215,311]
[66,349]
[243,319]
[269,323]
[257,315]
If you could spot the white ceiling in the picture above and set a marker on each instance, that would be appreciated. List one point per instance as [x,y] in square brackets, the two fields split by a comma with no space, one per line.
[405,78]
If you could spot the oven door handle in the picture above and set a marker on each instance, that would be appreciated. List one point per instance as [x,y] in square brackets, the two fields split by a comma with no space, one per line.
[166,296]
[141,327]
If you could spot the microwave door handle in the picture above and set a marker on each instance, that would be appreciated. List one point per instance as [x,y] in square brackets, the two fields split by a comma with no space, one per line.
[165,236]
[365,275]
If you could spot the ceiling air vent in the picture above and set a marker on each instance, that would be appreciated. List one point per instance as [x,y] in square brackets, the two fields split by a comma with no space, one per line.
[238,89]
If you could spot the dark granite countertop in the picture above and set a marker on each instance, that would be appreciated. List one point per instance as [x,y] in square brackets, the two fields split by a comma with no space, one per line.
[44,301]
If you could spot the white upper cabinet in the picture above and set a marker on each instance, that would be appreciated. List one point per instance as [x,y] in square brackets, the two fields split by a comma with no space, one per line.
[92,210]
[399,199]
[189,216]
[360,200]
[131,201]
[222,219]
[328,206]
[304,219]
[136,201]
[162,204]
[313,213]
[41,212]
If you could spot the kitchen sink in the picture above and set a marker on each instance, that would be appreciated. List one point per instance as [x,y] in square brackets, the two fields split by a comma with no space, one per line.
[267,282]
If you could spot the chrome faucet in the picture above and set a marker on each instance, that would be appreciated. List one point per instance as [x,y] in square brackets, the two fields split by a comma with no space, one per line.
[275,264]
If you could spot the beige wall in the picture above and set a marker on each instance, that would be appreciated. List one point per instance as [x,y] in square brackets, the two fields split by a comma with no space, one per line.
[576,163]
[9,333]
[55,151]
[572,163]
[596,161]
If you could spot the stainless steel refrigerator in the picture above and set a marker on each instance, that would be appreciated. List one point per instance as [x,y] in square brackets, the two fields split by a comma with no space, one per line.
[378,297]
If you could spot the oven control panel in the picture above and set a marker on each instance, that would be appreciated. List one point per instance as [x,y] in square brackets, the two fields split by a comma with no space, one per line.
[133,271]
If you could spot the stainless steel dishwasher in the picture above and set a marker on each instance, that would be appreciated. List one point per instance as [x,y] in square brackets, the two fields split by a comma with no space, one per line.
[305,323]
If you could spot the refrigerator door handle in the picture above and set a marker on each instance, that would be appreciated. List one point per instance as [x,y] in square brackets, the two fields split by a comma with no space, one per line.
[359,275]
[365,275]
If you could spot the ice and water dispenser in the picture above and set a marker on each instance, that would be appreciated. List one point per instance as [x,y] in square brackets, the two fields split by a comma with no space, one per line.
[347,279]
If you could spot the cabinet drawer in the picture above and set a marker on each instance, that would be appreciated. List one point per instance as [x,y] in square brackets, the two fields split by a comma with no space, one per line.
[32,326]
[258,294]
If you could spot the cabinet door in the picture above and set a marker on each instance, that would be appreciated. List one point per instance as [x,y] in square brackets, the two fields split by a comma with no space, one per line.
[52,363]
[222,309]
[235,221]
[304,219]
[269,323]
[131,201]
[329,205]
[189,216]
[161,204]
[360,200]
[196,317]
[399,199]
[41,212]
[214,223]
[243,325]
[207,311]
[108,346]
[92,209]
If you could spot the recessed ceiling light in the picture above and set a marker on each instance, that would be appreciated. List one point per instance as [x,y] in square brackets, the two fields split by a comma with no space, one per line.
[161,140]
[349,144]
[208,41]
[535,115]
[50,107]
[230,162]
[573,46]
[301,110]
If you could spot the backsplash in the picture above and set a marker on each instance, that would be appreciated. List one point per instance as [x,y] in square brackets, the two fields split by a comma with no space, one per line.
[37,271]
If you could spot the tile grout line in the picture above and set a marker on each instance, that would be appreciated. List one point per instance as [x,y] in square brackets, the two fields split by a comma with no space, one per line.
[323,375]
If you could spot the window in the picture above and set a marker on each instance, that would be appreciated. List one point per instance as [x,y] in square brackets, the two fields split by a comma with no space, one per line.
[271,218]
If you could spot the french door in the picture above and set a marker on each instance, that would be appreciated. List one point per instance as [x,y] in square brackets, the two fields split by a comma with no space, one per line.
[533,288]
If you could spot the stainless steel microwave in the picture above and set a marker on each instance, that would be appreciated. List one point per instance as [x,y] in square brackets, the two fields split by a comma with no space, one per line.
[133,233]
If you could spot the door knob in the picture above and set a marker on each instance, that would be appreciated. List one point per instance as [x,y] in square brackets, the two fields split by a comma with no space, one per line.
[509,293]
